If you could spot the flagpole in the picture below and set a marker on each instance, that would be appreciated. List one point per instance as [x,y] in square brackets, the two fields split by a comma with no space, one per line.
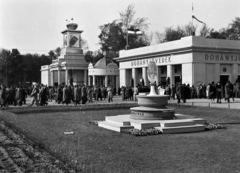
[127,40]
[192,20]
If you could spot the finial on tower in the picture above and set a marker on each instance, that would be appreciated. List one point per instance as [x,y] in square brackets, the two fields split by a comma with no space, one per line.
[71,25]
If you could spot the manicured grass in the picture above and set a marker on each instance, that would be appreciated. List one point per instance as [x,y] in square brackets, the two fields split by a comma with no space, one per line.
[94,149]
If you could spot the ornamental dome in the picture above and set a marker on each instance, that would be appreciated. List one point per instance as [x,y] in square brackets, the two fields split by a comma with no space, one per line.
[72,26]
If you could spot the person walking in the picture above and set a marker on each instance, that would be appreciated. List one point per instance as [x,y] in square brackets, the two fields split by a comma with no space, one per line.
[3,96]
[34,94]
[110,93]
[123,89]
[76,95]
[84,94]
[19,95]
[135,93]
[65,95]
[43,95]
[227,92]
[90,94]
[212,92]
[59,94]
[173,93]
[180,92]
[219,92]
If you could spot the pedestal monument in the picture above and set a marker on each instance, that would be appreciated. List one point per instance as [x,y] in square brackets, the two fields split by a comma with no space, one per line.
[153,112]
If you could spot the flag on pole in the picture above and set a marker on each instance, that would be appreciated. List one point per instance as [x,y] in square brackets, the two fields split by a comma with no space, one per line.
[134,31]
[196,18]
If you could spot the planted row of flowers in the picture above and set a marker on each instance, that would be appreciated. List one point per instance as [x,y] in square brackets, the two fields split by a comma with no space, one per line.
[211,126]
[143,132]
[152,131]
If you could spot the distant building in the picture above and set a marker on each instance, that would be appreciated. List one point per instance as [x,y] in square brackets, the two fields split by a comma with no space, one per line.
[103,74]
[70,67]
[191,60]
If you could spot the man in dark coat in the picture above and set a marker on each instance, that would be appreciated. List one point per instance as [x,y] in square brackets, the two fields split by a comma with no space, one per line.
[180,92]
[123,89]
[84,94]
[59,95]
[3,96]
[43,95]
[173,93]
[77,95]
[19,96]
[65,95]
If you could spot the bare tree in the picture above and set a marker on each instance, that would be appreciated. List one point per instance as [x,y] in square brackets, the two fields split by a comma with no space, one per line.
[127,18]
[204,31]
[159,37]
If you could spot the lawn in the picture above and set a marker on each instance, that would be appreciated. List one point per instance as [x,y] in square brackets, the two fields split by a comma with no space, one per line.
[94,149]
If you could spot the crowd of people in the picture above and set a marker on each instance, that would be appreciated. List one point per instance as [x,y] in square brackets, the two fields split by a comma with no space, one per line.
[211,91]
[80,94]
[62,94]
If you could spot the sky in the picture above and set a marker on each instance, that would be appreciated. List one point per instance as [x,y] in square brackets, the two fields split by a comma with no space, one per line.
[35,26]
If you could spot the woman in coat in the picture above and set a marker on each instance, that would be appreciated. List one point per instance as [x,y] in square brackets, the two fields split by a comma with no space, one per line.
[110,93]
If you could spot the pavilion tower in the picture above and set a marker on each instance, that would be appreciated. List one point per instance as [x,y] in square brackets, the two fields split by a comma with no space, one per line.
[71,67]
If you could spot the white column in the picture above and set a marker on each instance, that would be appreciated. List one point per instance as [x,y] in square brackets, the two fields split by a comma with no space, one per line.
[66,77]
[134,77]
[106,81]
[170,73]
[188,77]
[89,80]
[123,77]
[52,82]
[94,80]
[59,76]
[234,75]
[85,77]
[144,75]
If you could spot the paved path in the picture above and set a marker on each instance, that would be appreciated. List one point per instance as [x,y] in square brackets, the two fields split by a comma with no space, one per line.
[191,102]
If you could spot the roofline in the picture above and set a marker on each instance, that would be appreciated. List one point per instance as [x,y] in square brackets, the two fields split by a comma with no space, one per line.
[178,51]
[68,30]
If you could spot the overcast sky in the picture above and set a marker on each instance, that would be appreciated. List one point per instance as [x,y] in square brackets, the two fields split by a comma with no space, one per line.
[34,26]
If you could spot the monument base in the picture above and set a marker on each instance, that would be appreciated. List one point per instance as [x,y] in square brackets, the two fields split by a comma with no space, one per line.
[181,124]
[149,113]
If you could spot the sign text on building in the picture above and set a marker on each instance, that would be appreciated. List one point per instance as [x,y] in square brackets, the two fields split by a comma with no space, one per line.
[159,60]
[222,57]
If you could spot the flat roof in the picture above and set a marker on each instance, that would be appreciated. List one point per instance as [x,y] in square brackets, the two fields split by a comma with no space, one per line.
[186,43]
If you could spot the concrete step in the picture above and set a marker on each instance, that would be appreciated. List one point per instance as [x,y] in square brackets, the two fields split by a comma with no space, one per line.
[145,125]
[113,126]
[116,120]
[182,129]
[177,123]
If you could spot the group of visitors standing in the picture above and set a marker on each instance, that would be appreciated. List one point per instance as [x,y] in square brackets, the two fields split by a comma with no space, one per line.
[62,94]
[13,95]
[212,91]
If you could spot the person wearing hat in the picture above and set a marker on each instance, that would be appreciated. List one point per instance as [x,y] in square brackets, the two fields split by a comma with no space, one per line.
[34,94]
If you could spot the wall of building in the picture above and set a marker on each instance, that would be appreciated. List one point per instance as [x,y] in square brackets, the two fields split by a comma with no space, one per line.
[45,77]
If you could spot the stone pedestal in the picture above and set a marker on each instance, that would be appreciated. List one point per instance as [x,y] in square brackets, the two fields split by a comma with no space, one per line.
[152,107]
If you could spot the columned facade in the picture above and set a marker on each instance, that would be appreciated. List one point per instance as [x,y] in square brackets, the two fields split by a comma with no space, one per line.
[71,67]
[104,74]
[191,60]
